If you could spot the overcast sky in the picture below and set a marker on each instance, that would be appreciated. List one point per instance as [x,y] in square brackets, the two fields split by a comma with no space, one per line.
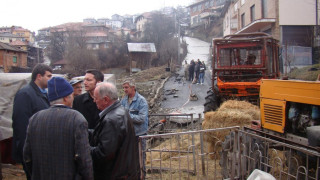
[37,14]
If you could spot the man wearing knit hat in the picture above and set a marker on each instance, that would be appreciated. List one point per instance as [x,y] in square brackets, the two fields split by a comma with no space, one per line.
[57,144]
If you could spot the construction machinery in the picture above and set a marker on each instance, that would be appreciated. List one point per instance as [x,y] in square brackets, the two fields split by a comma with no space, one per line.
[291,109]
[239,64]
[290,123]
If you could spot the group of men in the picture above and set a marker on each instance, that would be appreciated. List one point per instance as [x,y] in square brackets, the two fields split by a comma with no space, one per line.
[195,71]
[91,136]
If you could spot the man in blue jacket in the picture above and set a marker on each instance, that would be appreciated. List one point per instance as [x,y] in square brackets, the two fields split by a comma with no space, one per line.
[28,100]
[138,110]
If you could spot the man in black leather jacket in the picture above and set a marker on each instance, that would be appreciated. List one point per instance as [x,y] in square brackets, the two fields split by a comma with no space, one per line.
[113,147]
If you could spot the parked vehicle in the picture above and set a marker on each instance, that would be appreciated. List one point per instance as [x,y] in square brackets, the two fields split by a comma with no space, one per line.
[239,64]
[290,115]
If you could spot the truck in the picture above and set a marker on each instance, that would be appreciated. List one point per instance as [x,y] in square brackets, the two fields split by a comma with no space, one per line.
[290,118]
[239,63]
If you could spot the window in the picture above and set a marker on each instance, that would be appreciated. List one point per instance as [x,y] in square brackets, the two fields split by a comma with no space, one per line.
[264,9]
[242,20]
[14,59]
[252,13]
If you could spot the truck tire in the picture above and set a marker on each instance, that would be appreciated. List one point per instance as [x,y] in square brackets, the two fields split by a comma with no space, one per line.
[212,102]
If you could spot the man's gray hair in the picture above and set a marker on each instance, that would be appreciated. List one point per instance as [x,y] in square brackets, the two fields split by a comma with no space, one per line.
[129,81]
[107,89]
[57,101]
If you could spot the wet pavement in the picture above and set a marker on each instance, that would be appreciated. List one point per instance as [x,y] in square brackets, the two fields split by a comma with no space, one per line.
[177,90]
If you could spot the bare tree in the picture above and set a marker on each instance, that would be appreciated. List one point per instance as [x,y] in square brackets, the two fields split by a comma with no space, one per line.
[160,28]
[56,48]
[78,56]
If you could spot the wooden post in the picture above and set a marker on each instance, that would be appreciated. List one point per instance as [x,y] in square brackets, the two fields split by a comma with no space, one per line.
[130,63]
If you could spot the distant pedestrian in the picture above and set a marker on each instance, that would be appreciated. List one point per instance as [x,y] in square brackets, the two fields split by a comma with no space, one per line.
[197,71]
[113,143]
[202,73]
[191,70]
[28,100]
[186,69]
[77,87]
[84,102]
[57,145]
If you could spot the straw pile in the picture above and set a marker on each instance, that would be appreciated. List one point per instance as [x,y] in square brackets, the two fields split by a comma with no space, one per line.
[230,113]
[182,143]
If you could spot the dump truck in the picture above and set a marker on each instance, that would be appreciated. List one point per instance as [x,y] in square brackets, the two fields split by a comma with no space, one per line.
[290,118]
[239,64]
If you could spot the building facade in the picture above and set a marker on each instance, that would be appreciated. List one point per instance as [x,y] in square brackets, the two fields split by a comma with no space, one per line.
[202,12]
[12,57]
[292,22]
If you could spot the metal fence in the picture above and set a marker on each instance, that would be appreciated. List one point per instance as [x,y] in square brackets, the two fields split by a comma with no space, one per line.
[224,153]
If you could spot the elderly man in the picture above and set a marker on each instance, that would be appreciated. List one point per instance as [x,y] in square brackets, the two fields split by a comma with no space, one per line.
[113,147]
[77,87]
[138,110]
[84,102]
[29,100]
[57,145]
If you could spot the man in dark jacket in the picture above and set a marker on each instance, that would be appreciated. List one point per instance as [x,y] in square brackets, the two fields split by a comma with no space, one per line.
[113,144]
[57,145]
[191,70]
[28,100]
[84,102]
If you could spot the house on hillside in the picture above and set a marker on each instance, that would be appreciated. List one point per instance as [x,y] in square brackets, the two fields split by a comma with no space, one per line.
[5,29]
[202,12]
[25,34]
[8,37]
[96,35]
[12,57]
[292,22]
[141,22]
[20,44]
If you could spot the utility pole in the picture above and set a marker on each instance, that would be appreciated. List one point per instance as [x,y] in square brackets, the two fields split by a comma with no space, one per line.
[317,25]
[179,41]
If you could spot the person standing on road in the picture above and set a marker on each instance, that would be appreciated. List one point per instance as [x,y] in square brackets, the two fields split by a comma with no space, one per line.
[28,100]
[186,69]
[113,143]
[202,73]
[191,70]
[197,71]
[84,102]
[138,109]
[57,145]
[77,87]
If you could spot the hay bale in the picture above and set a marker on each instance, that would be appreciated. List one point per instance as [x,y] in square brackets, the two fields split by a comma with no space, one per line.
[230,113]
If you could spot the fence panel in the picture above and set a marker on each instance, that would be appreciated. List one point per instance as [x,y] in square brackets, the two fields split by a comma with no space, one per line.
[224,153]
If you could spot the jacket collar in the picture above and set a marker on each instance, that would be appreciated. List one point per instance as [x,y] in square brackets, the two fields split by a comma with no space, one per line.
[86,97]
[108,109]
[135,97]
[38,92]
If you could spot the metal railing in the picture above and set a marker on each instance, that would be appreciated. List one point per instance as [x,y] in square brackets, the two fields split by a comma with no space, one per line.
[224,153]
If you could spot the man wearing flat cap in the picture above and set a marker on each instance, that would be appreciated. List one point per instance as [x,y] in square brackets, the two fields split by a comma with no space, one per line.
[57,144]
[77,87]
